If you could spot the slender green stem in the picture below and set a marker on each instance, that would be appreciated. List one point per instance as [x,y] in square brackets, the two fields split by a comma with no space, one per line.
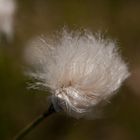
[33,124]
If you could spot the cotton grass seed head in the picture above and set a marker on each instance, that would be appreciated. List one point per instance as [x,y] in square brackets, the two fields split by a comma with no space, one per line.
[7,13]
[80,69]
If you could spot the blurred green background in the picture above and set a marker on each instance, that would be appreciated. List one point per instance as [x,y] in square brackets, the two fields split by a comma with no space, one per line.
[118,19]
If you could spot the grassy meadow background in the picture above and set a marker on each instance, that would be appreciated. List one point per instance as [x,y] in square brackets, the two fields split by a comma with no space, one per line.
[118,19]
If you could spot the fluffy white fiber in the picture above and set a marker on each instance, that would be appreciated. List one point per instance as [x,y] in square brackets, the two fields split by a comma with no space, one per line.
[7,11]
[80,69]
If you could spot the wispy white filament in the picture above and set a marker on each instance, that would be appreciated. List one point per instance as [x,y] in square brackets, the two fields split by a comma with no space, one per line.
[80,69]
[7,11]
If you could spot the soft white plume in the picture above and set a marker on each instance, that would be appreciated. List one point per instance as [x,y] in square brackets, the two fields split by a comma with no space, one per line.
[80,69]
[7,11]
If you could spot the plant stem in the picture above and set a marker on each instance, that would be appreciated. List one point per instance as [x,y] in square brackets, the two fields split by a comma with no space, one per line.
[33,124]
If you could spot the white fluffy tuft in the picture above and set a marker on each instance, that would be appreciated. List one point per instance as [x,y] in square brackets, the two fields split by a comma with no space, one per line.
[7,12]
[80,69]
